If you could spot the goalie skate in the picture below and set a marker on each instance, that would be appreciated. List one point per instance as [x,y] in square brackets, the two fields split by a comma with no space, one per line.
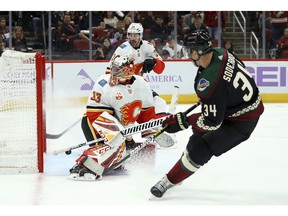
[81,173]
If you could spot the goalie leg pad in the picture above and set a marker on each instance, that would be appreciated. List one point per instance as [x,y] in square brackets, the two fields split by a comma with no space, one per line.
[93,165]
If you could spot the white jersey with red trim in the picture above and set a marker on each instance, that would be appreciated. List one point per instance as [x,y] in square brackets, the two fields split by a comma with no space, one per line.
[145,51]
[125,102]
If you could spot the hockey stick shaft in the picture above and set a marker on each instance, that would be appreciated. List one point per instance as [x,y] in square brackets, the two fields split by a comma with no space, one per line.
[56,136]
[69,149]
[192,108]
[142,145]
[125,132]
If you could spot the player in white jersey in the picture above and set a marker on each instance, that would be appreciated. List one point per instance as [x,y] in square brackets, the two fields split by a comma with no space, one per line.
[123,95]
[145,56]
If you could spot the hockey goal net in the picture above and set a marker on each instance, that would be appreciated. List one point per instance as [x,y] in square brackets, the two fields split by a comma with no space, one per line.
[22,119]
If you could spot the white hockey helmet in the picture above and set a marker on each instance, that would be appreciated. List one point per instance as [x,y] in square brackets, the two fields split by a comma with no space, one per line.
[135,28]
[122,69]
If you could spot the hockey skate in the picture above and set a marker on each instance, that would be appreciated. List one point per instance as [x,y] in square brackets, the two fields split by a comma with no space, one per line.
[161,187]
[80,172]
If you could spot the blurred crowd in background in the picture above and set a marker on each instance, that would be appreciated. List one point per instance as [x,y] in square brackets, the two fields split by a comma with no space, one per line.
[96,34]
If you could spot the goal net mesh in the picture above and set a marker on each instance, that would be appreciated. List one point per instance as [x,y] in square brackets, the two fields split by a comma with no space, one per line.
[18,113]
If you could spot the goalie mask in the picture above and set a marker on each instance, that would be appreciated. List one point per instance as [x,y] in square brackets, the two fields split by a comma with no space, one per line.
[135,28]
[122,69]
[200,41]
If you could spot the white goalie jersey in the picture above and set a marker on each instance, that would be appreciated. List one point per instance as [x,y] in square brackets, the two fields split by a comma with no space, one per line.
[125,102]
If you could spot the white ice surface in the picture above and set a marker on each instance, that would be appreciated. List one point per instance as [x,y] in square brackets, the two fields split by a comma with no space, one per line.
[255,173]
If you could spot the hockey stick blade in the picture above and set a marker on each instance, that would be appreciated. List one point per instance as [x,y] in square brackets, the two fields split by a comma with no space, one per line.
[166,140]
[56,136]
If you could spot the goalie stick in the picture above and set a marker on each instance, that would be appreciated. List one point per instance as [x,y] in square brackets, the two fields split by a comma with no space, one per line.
[167,140]
[56,136]
[142,145]
[174,100]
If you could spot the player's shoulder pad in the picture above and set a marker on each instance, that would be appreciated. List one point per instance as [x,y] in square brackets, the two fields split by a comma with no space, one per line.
[147,43]
[148,47]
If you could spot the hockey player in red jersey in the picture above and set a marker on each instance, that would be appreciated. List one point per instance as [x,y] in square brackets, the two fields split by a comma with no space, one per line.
[231,108]
[145,56]
[119,99]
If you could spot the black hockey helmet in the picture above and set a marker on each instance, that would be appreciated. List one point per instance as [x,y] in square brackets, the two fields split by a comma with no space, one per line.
[198,40]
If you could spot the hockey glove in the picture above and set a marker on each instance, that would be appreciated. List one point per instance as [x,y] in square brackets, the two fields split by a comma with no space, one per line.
[176,123]
[148,65]
[130,144]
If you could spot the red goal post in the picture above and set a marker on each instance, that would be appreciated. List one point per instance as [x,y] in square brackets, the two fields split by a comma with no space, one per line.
[22,112]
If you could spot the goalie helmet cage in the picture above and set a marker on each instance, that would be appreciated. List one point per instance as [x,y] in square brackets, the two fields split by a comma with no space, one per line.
[22,114]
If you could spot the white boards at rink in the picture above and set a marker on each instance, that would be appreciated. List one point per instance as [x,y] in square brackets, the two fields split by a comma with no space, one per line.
[74,80]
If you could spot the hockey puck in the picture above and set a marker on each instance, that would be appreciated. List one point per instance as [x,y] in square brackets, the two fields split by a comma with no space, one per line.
[68,152]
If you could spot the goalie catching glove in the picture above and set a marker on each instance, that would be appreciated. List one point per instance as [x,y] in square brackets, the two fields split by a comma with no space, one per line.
[175,123]
[148,65]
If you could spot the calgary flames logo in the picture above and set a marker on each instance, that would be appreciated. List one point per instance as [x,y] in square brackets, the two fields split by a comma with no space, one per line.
[130,112]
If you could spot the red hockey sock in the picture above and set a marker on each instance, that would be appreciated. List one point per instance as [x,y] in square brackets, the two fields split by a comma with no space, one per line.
[177,174]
